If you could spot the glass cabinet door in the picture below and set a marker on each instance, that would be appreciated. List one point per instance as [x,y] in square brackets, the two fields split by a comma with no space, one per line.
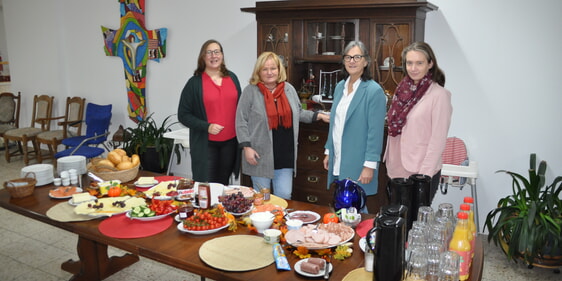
[328,38]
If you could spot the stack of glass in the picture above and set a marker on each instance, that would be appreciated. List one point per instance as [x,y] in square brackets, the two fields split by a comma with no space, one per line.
[427,255]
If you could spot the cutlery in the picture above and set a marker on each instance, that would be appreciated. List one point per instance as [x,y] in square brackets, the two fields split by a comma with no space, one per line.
[327,267]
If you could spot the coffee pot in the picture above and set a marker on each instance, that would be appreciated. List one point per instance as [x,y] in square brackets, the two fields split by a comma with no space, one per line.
[347,193]
[387,241]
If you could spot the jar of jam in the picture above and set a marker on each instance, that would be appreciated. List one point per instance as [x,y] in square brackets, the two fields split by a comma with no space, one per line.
[266,194]
[184,184]
[258,199]
[185,210]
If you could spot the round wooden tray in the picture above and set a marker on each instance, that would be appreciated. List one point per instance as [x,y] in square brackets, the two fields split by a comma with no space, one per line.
[237,253]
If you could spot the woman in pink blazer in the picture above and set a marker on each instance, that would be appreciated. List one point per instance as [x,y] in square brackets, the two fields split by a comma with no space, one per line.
[418,118]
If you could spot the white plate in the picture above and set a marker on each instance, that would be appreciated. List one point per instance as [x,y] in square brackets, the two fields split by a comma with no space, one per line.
[298,215]
[248,192]
[321,272]
[146,185]
[153,218]
[200,232]
[78,190]
[244,213]
[363,244]
[71,201]
[295,244]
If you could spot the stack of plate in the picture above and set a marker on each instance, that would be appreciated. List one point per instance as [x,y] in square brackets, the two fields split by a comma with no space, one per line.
[43,173]
[72,162]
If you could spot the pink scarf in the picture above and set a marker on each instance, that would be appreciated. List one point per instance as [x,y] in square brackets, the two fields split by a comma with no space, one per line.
[406,96]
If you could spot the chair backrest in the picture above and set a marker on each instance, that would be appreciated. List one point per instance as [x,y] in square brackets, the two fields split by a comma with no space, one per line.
[10,108]
[98,119]
[74,115]
[455,153]
[42,111]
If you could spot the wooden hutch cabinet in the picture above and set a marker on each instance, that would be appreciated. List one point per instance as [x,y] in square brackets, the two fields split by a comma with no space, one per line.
[309,36]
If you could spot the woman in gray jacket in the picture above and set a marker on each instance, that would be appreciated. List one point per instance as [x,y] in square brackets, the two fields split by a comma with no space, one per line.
[267,126]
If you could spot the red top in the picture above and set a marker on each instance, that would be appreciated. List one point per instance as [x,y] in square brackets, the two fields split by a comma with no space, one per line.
[220,105]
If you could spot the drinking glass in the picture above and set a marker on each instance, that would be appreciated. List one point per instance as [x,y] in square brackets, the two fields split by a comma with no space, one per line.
[417,265]
[449,263]
[434,250]
[426,214]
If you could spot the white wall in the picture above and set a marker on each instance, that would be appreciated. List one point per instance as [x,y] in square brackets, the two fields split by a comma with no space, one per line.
[500,58]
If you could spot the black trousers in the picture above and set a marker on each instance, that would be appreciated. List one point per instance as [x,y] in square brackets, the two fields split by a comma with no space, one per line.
[222,158]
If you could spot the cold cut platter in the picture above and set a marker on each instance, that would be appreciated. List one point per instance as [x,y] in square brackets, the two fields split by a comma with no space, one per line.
[320,236]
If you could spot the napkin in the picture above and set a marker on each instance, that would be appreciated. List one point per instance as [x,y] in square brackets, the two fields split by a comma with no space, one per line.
[363,227]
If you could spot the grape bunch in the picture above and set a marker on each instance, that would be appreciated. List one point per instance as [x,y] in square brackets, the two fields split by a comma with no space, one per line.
[236,203]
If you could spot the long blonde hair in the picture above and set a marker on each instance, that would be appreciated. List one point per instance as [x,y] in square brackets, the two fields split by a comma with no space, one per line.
[260,62]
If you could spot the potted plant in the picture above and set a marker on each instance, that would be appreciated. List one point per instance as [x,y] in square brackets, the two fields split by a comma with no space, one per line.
[148,141]
[527,224]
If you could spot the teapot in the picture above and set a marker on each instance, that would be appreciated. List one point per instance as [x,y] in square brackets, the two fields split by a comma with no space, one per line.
[347,193]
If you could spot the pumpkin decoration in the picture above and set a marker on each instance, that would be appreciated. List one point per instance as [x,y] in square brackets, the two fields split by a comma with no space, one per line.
[114,191]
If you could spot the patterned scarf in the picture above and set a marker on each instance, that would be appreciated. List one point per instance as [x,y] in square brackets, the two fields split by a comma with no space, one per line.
[280,113]
[406,96]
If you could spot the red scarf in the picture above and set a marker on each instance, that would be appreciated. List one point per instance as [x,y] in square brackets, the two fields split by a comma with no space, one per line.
[280,112]
[406,96]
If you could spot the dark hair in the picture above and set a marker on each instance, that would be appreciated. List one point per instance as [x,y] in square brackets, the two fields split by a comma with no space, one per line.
[367,70]
[437,74]
[201,59]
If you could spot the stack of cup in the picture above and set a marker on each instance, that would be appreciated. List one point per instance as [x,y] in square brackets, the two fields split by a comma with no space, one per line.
[65,178]
[73,176]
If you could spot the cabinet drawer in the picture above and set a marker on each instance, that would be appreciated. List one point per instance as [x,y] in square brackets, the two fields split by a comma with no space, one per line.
[310,186]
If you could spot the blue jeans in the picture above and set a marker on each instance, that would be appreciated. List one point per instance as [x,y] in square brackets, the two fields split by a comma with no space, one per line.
[282,183]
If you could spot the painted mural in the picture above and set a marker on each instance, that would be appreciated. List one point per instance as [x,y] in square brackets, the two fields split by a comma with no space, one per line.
[135,46]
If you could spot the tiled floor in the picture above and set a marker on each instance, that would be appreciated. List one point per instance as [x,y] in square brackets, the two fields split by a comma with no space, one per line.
[31,250]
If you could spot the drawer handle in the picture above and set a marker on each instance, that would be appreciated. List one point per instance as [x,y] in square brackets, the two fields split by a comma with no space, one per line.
[313,158]
[313,138]
[312,198]
[313,179]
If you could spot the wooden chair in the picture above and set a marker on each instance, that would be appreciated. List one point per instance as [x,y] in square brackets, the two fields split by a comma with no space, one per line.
[42,110]
[9,112]
[70,126]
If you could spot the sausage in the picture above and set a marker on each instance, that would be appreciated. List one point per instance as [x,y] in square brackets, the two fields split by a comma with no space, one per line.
[309,268]
[317,261]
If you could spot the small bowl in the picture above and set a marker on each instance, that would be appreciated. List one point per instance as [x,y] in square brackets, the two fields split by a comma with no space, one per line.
[294,224]
[262,220]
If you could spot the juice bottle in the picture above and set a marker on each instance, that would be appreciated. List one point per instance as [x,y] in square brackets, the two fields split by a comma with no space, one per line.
[470,202]
[461,245]
[471,228]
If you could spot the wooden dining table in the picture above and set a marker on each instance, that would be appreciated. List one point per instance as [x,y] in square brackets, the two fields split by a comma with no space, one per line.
[172,247]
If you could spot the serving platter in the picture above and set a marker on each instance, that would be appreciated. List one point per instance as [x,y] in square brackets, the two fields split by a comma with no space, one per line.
[77,190]
[71,201]
[320,273]
[200,232]
[108,209]
[318,246]
[153,218]
[305,216]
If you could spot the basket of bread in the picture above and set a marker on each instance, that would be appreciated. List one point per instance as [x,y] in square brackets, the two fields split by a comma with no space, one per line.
[117,166]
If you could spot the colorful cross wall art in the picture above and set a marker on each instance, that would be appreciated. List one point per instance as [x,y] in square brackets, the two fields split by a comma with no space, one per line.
[135,45]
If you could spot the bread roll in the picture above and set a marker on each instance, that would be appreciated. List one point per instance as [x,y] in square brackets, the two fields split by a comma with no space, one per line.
[125,165]
[105,162]
[114,157]
[135,159]
[120,151]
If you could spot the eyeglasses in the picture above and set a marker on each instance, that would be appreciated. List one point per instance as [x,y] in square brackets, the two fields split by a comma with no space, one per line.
[355,58]
[213,52]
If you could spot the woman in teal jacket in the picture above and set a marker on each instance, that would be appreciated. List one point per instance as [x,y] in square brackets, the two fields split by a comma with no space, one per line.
[356,134]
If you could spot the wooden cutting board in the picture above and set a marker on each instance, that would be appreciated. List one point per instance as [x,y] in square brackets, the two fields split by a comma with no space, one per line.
[237,253]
